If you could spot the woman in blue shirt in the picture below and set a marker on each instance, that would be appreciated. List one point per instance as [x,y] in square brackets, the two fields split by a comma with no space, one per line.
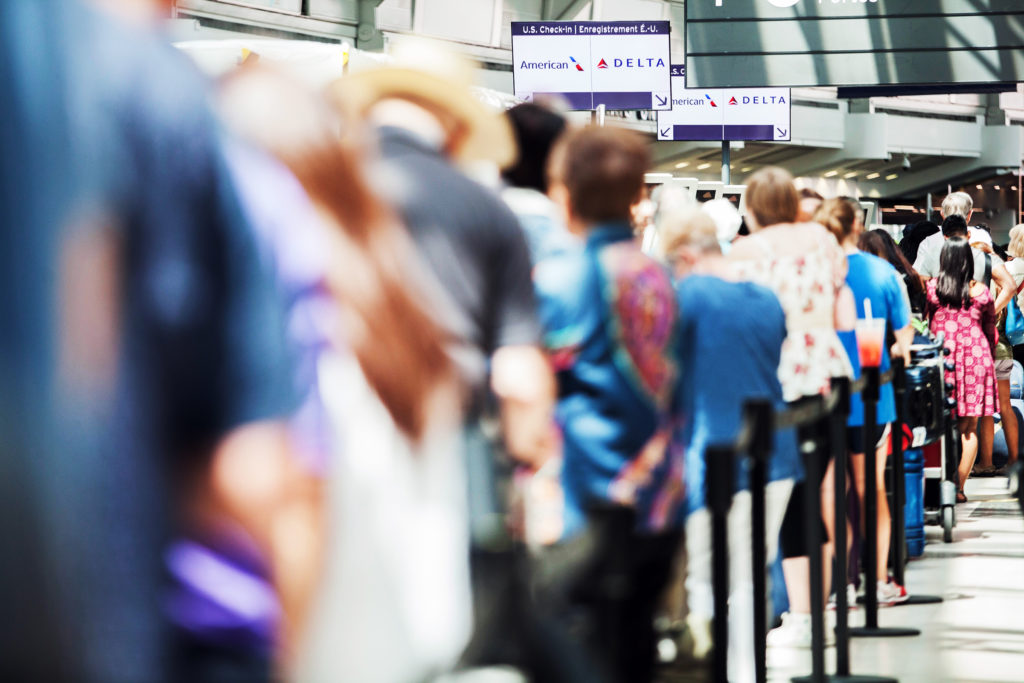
[875,280]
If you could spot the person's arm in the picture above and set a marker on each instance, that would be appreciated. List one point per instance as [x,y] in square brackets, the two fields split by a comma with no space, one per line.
[988,324]
[904,338]
[845,306]
[521,375]
[522,380]
[845,310]
[898,305]
[1006,284]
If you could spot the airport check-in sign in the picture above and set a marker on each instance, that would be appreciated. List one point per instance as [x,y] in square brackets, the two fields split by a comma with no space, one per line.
[620,64]
[725,114]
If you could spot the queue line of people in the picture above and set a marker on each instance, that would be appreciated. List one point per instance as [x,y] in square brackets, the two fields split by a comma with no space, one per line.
[287,365]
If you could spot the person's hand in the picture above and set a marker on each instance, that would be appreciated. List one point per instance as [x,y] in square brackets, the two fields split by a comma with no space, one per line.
[896,351]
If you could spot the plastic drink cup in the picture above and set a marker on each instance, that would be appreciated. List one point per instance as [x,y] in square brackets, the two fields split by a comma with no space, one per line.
[870,339]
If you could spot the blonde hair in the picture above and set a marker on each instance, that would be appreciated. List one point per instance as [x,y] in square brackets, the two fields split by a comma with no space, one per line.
[1016,246]
[957,204]
[838,216]
[772,197]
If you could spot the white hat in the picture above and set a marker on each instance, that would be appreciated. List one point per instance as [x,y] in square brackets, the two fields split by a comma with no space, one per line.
[726,217]
[975,235]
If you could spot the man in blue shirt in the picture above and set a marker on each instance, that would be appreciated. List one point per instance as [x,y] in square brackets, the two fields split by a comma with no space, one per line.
[610,322]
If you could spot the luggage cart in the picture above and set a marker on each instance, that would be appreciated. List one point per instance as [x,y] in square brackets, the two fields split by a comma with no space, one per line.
[931,425]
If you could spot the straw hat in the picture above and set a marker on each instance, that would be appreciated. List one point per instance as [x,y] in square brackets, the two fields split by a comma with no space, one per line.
[438,80]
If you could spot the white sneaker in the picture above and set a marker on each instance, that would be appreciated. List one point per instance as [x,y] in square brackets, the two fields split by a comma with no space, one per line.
[891,593]
[795,631]
[699,640]
[851,598]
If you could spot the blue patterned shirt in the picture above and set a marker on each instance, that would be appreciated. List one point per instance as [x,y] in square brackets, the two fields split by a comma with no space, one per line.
[610,322]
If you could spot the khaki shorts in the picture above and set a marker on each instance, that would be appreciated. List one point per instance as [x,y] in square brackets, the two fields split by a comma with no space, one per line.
[1003,368]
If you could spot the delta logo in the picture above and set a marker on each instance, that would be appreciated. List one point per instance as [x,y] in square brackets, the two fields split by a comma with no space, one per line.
[732,101]
[632,63]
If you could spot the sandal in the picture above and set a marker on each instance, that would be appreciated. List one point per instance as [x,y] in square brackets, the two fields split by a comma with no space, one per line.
[960,497]
[986,471]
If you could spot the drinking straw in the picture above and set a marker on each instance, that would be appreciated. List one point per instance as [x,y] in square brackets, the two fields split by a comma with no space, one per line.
[867,308]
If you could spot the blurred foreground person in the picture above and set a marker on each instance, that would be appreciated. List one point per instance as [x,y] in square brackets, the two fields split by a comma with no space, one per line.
[730,343]
[536,129]
[144,356]
[610,321]
[805,268]
[393,600]
[425,121]
[810,202]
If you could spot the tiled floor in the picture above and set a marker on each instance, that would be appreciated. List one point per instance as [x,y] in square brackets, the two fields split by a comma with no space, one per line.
[977,633]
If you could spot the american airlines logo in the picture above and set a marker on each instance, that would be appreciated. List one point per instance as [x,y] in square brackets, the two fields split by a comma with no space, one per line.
[551,65]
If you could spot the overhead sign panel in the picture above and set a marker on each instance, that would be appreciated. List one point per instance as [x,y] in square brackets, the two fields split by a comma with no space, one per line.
[620,64]
[750,43]
[725,114]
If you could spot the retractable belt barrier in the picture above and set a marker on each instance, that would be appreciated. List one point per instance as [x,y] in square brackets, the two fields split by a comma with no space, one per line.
[821,422]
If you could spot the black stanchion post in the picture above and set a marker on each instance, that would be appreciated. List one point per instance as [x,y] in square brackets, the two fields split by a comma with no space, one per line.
[810,448]
[837,446]
[899,492]
[719,495]
[871,395]
[897,514]
[840,578]
[761,415]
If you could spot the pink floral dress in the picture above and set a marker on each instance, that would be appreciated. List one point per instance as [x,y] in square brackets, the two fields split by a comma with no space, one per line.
[970,336]
[806,285]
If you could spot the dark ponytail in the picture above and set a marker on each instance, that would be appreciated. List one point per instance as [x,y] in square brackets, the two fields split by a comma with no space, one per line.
[956,270]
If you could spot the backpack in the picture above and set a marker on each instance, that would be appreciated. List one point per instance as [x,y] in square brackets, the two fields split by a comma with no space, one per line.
[1015,320]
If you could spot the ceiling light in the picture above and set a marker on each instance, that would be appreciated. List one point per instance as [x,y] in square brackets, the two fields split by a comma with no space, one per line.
[851,174]
[1013,188]
[682,164]
[892,176]
[871,176]
[905,207]
[996,188]
[980,187]
[831,174]
[748,169]
[703,166]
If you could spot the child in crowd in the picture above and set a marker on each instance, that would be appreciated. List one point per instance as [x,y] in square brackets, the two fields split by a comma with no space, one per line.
[962,309]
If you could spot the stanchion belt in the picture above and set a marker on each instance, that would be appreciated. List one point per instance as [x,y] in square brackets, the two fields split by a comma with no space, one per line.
[805,414]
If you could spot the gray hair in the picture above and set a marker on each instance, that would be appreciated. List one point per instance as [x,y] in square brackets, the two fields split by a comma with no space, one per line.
[957,204]
[682,223]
